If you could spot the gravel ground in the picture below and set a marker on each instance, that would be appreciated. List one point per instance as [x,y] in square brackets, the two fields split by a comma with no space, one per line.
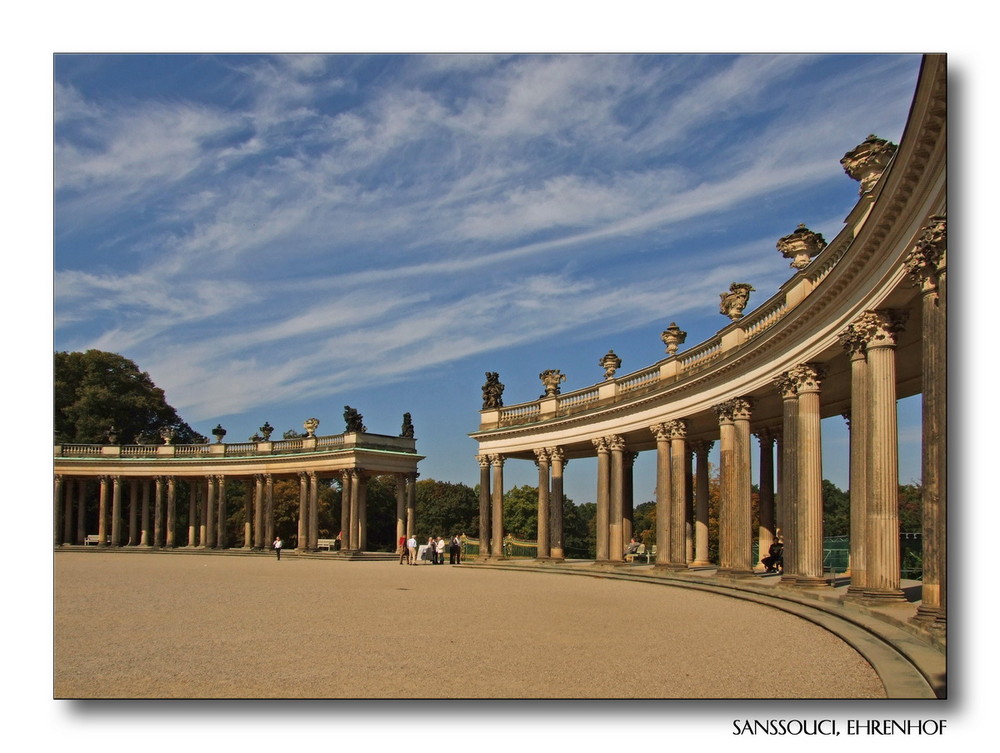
[169,626]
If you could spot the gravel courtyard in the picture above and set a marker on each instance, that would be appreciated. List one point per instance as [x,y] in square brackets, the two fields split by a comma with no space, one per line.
[175,626]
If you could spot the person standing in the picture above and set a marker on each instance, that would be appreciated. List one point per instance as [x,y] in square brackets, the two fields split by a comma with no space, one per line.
[456,550]
[277,546]
[402,549]
[442,543]
[411,549]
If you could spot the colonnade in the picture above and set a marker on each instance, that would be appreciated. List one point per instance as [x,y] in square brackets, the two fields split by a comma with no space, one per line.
[790,465]
[152,519]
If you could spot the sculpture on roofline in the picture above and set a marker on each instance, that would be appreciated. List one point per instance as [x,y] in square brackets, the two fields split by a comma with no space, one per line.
[492,391]
[735,300]
[407,426]
[354,420]
[552,378]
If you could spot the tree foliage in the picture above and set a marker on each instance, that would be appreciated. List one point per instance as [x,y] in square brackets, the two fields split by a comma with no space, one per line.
[444,509]
[95,391]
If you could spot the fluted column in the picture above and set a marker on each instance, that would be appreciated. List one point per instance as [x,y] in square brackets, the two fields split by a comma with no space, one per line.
[158,513]
[171,527]
[882,575]
[727,486]
[258,511]
[313,510]
[268,509]
[116,511]
[766,534]
[221,533]
[542,461]
[497,504]
[485,521]
[347,486]
[209,539]
[557,462]
[689,510]
[927,266]
[789,475]
[678,493]
[701,450]
[603,500]
[616,494]
[102,512]
[401,506]
[854,343]
[628,495]
[809,502]
[362,511]
[411,504]
[663,486]
[302,536]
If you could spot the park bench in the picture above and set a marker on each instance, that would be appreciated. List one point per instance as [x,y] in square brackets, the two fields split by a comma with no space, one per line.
[92,538]
[327,544]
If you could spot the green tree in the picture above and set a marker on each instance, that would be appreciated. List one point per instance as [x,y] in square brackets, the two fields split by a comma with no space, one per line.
[644,523]
[836,510]
[579,526]
[444,508]
[95,391]
[520,512]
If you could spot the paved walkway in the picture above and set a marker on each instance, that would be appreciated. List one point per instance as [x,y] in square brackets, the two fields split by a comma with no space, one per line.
[158,625]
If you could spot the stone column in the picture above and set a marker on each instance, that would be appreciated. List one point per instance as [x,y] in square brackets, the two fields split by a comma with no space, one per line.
[767,533]
[351,537]
[411,504]
[882,574]
[313,510]
[497,531]
[485,521]
[268,509]
[557,462]
[192,514]
[853,341]
[102,512]
[616,484]
[727,450]
[628,495]
[362,511]
[347,487]
[205,516]
[603,502]
[81,510]
[258,511]
[249,497]
[689,510]
[678,492]
[401,507]
[789,475]
[221,532]
[209,539]
[302,536]
[663,487]
[701,450]
[158,513]
[542,461]
[927,266]
[133,511]
[809,504]
[171,528]
[116,511]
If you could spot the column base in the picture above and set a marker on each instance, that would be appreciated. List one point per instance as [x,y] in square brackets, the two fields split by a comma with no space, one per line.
[884,595]
[700,565]
[735,573]
[810,581]
[931,617]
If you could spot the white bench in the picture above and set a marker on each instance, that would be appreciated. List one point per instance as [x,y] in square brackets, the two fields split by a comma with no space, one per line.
[327,544]
[92,538]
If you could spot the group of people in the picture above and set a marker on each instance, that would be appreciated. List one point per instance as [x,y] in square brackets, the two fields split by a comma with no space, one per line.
[410,553]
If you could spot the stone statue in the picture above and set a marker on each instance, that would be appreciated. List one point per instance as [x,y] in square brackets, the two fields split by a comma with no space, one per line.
[735,300]
[552,378]
[353,420]
[801,246]
[867,161]
[310,425]
[407,426]
[492,391]
[611,364]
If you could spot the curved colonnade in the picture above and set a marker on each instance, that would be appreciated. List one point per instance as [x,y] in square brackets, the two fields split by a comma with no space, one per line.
[138,484]
[860,324]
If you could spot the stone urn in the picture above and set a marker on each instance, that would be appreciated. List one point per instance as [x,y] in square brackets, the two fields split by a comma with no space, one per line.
[735,300]
[310,425]
[610,363]
[867,161]
[551,379]
[167,435]
[218,432]
[801,246]
[673,337]
[266,430]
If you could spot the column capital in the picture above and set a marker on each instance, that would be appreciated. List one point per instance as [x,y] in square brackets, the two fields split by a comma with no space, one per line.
[742,408]
[927,259]
[766,435]
[854,341]
[541,455]
[701,447]
[807,377]
[880,328]
[483,460]
[677,428]
[616,442]
[497,460]
[557,454]
[660,431]
[786,386]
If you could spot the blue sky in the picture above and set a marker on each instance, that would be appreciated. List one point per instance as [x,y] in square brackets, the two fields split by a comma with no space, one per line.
[275,237]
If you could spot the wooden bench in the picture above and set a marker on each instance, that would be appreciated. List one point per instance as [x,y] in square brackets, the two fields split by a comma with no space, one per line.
[327,544]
